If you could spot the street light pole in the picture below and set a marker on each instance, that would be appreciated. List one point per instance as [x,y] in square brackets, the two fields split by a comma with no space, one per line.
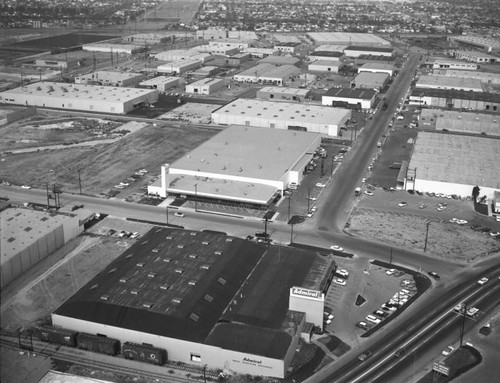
[291,234]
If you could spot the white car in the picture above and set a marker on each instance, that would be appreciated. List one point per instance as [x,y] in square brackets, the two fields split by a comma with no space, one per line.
[363,180]
[340,281]
[134,235]
[403,204]
[369,193]
[441,208]
[495,234]
[26,187]
[447,351]
[390,271]
[483,281]
[336,248]
[328,321]
[343,273]
[320,185]
[373,319]
[179,214]
[400,117]
[462,222]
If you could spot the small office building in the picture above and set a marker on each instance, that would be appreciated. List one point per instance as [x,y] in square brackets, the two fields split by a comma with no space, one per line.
[326,66]
[278,93]
[445,63]
[205,86]
[350,98]
[162,83]
[326,56]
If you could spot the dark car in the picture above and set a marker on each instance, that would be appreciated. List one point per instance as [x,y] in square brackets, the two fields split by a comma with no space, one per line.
[401,352]
[434,275]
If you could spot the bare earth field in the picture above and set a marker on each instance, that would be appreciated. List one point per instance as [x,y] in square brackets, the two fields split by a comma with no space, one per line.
[445,239]
[102,166]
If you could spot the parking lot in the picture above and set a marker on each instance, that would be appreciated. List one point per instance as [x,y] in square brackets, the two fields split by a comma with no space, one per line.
[366,280]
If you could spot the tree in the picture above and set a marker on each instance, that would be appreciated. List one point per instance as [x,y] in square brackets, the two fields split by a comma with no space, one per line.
[475,193]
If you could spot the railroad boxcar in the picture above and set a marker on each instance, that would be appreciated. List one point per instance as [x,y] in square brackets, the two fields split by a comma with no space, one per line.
[56,335]
[98,344]
[144,353]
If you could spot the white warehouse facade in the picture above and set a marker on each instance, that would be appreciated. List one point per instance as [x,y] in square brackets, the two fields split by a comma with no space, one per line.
[241,165]
[282,115]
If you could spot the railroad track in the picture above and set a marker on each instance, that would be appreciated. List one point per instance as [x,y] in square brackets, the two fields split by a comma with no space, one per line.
[140,369]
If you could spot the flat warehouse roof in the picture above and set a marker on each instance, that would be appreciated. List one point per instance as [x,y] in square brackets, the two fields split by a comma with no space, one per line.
[377,66]
[285,90]
[328,63]
[368,48]
[327,54]
[457,159]
[299,113]
[446,81]
[19,228]
[78,91]
[159,80]
[109,75]
[456,94]
[256,70]
[359,93]
[463,121]
[346,37]
[251,152]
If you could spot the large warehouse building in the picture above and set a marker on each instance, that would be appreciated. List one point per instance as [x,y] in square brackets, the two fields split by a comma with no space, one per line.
[283,115]
[94,98]
[345,38]
[240,166]
[446,82]
[109,78]
[455,99]
[462,122]
[27,236]
[207,299]
[454,164]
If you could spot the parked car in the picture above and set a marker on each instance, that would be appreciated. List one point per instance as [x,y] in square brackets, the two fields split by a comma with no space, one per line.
[336,248]
[373,319]
[369,193]
[340,281]
[363,325]
[403,204]
[26,187]
[342,273]
[381,313]
[390,271]
[179,214]
[320,185]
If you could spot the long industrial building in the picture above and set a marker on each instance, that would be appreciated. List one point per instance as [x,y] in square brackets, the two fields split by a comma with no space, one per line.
[207,299]
[244,166]
[93,98]
[454,164]
[345,38]
[454,99]
[354,98]
[267,114]
[110,78]
[461,122]
[452,83]
[27,236]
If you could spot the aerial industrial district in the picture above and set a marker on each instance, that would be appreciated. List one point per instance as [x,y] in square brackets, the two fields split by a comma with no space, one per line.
[226,206]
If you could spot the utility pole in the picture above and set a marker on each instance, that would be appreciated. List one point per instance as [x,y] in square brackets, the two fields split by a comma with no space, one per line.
[80,181]
[426,235]
[289,202]
[167,214]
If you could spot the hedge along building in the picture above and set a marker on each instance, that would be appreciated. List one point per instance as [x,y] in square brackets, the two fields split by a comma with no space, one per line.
[205,298]
[245,166]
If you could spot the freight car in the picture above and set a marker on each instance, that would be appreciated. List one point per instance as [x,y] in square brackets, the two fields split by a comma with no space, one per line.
[56,335]
[144,353]
[97,343]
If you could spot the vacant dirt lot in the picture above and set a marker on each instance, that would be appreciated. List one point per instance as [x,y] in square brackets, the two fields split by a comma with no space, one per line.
[31,298]
[192,112]
[102,166]
[444,240]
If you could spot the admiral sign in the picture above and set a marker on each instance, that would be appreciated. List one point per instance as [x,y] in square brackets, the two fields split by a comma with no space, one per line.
[306,293]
